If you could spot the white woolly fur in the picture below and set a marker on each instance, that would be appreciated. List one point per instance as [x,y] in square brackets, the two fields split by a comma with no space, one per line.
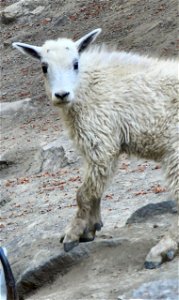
[115,102]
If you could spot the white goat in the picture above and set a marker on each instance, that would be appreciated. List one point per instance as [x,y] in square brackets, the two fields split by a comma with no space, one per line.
[111,102]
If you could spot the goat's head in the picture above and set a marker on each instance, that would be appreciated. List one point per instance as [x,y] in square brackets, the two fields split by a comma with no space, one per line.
[60,61]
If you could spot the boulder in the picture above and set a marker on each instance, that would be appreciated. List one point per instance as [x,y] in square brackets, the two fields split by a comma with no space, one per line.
[12,108]
[16,162]
[159,289]
[53,157]
[150,210]
[57,154]
[33,160]
[22,8]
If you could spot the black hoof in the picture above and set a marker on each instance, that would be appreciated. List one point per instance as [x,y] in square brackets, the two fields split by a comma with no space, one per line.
[86,239]
[61,239]
[70,246]
[151,265]
[98,226]
[170,254]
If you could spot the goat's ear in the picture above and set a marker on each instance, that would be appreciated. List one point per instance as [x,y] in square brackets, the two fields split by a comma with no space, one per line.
[27,49]
[87,39]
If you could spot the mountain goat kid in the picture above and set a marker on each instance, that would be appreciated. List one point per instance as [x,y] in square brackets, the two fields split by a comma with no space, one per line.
[111,102]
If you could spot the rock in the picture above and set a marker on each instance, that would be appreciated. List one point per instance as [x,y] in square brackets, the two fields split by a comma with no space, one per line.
[160,289]
[57,154]
[4,164]
[11,108]
[53,158]
[38,10]
[17,161]
[47,263]
[7,43]
[22,8]
[61,21]
[4,199]
[33,160]
[46,269]
[146,212]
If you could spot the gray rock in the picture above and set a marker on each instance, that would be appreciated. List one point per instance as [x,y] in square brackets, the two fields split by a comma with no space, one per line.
[12,108]
[4,199]
[38,10]
[53,158]
[61,21]
[48,264]
[148,211]
[17,161]
[160,289]
[40,273]
[4,164]
[56,155]
[34,160]
[21,8]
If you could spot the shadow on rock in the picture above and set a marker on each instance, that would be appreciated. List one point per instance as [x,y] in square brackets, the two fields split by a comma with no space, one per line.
[148,211]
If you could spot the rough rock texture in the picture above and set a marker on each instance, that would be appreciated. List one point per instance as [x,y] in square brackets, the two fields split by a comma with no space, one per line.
[55,156]
[12,108]
[22,8]
[40,170]
[148,211]
[160,289]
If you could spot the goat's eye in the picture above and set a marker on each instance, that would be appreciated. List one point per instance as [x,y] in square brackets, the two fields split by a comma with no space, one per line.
[44,68]
[75,65]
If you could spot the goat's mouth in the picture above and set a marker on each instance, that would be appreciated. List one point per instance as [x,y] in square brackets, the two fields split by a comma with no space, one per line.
[59,102]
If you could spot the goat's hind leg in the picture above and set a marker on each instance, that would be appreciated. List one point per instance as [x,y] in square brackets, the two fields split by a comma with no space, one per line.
[165,250]
[88,217]
[167,247]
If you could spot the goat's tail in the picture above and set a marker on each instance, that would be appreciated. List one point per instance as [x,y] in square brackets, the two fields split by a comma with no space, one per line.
[8,285]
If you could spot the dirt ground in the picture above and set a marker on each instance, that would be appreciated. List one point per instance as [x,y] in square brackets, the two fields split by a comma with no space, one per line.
[36,206]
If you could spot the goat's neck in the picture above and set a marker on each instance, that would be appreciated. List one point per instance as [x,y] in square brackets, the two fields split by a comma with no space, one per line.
[70,114]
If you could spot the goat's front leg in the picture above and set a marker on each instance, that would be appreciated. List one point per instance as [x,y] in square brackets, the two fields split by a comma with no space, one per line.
[88,216]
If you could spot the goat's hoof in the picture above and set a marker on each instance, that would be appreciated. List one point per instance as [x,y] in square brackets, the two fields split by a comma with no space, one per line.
[79,234]
[170,254]
[86,239]
[88,236]
[165,250]
[98,226]
[151,265]
[69,246]
[62,238]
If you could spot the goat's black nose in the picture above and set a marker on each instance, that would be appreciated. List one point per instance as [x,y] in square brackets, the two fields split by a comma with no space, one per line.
[61,95]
